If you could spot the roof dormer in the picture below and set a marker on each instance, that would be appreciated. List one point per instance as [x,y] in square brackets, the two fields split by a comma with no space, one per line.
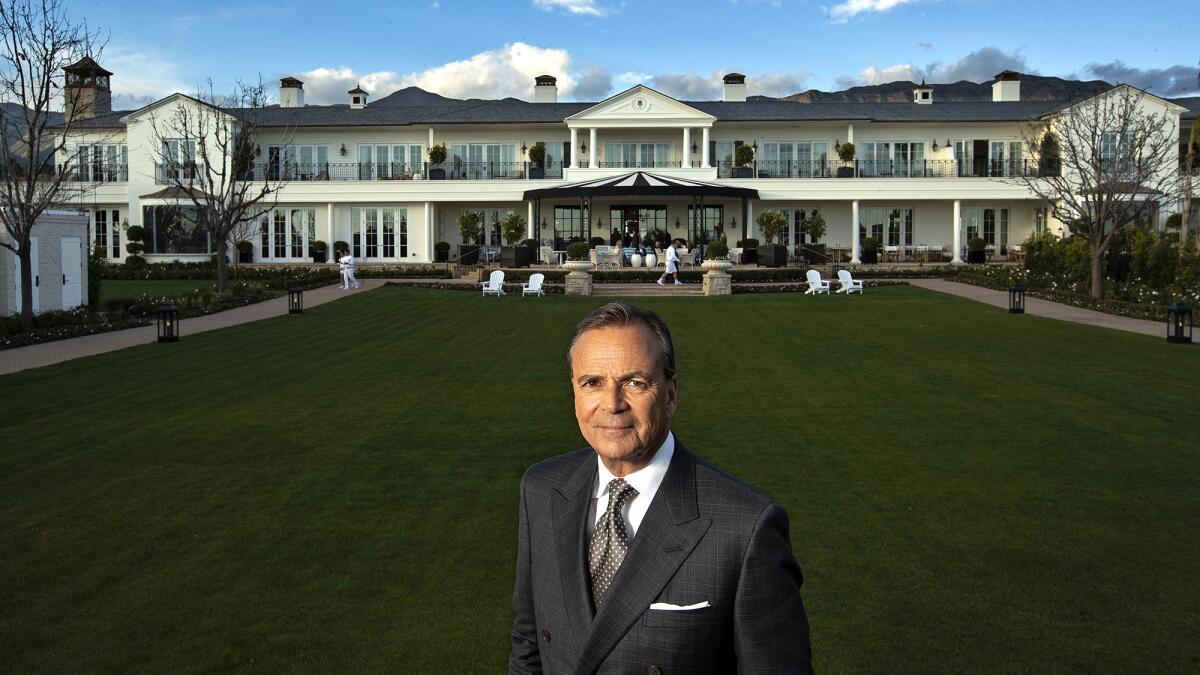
[358,98]
[923,94]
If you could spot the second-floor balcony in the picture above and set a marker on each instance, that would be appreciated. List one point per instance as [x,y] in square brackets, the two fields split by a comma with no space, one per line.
[377,171]
[107,172]
[889,168]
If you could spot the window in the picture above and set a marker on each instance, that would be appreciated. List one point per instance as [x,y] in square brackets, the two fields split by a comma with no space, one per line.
[1116,155]
[568,225]
[107,225]
[178,160]
[484,160]
[103,163]
[707,227]
[390,161]
[1005,158]
[379,233]
[171,229]
[795,159]
[1039,220]
[724,156]
[554,158]
[300,162]
[287,234]
[633,155]
[970,222]
[891,158]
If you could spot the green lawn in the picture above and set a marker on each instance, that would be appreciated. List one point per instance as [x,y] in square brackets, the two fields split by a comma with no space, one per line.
[121,288]
[969,491]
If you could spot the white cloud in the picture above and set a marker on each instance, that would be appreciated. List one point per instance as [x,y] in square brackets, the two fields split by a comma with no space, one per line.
[978,66]
[710,87]
[849,9]
[632,77]
[495,73]
[585,7]
[142,75]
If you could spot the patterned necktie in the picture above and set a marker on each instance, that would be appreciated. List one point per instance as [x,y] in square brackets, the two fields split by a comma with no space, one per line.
[610,540]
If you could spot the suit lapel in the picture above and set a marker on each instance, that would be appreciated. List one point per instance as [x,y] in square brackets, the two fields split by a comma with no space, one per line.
[570,514]
[671,529]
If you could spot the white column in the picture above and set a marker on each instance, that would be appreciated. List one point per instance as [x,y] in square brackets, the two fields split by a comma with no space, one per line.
[592,152]
[957,217]
[329,227]
[430,137]
[850,133]
[574,148]
[529,222]
[687,148]
[855,256]
[750,233]
[429,232]
[705,160]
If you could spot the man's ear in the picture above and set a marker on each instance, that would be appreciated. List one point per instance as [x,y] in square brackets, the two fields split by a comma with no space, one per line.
[672,395]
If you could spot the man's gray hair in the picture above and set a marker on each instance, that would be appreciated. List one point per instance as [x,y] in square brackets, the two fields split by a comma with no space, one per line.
[618,314]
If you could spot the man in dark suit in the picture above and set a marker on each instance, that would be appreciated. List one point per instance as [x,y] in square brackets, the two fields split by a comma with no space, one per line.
[636,556]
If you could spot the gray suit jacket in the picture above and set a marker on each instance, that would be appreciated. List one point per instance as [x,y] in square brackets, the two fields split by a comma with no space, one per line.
[707,536]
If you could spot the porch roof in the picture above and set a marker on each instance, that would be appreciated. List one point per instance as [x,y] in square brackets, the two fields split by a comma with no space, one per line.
[641,183]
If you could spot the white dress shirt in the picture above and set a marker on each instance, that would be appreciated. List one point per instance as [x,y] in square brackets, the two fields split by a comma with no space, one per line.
[645,480]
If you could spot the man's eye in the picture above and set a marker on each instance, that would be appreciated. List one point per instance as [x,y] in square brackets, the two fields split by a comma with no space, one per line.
[636,384]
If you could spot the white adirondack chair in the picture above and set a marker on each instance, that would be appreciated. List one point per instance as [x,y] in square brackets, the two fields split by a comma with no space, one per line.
[815,283]
[494,285]
[534,286]
[849,285]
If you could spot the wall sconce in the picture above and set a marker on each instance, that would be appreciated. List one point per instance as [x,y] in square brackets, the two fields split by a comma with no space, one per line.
[524,149]
[837,145]
[695,148]
[258,151]
[935,145]
[947,142]
[754,147]
[343,150]
[583,147]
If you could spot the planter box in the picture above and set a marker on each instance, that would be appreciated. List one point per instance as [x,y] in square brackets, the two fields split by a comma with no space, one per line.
[516,256]
[814,254]
[246,258]
[749,256]
[845,172]
[741,172]
[536,172]
[319,256]
[437,174]
[976,257]
[441,256]
[772,255]
[870,257]
[468,254]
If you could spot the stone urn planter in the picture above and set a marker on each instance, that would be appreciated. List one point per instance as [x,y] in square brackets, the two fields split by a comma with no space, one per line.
[579,282]
[651,260]
[717,280]
[635,260]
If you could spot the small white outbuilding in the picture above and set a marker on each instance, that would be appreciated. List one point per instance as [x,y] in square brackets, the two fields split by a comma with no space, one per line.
[59,257]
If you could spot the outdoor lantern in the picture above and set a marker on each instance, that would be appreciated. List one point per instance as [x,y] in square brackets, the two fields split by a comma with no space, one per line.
[295,300]
[343,150]
[1016,299]
[168,323]
[1179,323]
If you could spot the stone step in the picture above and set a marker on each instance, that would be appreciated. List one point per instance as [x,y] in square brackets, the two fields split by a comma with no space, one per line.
[646,290]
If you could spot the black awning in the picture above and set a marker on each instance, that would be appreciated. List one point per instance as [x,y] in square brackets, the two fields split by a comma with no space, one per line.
[640,183]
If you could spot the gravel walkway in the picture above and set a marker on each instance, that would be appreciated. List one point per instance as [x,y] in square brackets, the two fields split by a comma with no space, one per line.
[36,356]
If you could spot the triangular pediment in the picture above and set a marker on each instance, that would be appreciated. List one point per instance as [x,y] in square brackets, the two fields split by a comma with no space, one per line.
[640,106]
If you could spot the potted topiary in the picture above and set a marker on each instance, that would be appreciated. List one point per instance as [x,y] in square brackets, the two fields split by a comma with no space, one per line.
[245,252]
[845,152]
[578,257]
[441,251]
[814,228]
[513,228]
[596,241]
[870,251]
[976,251]
[470,227]
[772,224]
[320,251]
[339,249]
[437,156]
[717,264]
[134,236]
[1049,155]
[537,161]
[743,162]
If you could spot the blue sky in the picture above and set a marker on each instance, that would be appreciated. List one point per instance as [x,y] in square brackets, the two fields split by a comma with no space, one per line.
[597,47]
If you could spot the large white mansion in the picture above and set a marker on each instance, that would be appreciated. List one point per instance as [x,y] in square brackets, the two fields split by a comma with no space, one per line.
[927,175]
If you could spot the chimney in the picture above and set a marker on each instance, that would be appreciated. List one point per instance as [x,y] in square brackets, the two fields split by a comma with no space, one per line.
[1007,86]
[545,89]
[358,98]
[291,93]
[735,87]
[86,93]
[923,95]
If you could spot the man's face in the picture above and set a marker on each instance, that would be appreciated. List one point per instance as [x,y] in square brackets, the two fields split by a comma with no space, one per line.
[623,400]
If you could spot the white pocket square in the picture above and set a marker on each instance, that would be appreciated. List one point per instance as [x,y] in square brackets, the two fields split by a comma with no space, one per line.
[678,608]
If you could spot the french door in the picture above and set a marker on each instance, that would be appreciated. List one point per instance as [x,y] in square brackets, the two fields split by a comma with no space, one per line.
[286,235]
[379,234]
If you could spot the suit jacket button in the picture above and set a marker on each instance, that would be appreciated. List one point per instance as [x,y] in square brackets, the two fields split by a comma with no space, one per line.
[546,635]
[653,670]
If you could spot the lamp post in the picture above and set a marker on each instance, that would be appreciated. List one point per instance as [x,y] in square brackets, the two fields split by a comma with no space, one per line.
[1179,323]
[168,323]
[1016,299]
[295,300]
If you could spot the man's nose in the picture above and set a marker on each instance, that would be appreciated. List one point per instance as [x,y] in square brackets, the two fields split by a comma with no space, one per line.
[614,399]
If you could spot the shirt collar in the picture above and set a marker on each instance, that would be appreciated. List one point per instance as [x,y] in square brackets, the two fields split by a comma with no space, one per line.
[646,479]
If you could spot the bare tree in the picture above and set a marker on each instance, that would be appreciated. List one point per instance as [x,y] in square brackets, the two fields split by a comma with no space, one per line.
[37,40]
[1117,162]
[206,148]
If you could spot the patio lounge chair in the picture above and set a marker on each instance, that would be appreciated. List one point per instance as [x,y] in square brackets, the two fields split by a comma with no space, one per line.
[815,283]
[687,258]
[494,285]
[534,286]
[849,285]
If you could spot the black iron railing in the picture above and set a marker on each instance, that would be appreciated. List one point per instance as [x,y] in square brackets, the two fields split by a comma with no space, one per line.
[640,165]
[104,172]
[448,170]
[892,168]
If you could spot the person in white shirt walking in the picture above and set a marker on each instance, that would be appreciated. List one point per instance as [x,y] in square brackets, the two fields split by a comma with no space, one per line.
[672,265]
[346,262]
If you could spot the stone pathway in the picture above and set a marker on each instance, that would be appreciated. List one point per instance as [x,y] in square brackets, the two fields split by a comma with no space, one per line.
[1045,308]
[36,356]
